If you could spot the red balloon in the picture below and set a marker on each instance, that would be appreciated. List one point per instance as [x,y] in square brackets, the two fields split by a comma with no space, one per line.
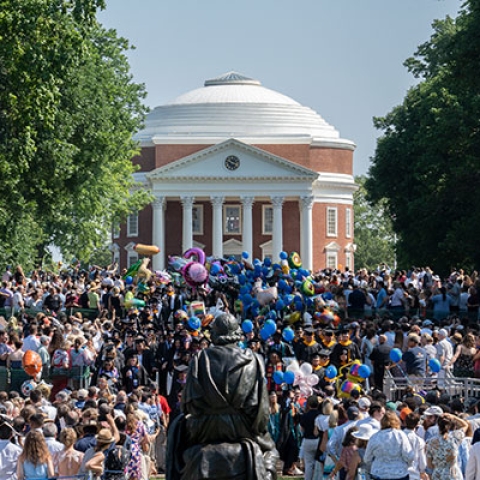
[32,363]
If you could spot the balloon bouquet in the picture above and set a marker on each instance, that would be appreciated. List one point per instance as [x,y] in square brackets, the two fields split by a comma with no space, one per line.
[32,364]
[348,378]
[139,274]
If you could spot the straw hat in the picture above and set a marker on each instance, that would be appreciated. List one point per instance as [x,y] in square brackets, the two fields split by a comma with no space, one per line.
[105,436]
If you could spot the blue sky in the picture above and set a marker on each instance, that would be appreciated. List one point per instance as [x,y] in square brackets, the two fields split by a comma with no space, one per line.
[343,58]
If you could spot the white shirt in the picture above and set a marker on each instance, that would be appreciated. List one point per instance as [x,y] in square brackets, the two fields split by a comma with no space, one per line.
[31,343]
[420,459]
[54,446]
[9,454]
[473,464]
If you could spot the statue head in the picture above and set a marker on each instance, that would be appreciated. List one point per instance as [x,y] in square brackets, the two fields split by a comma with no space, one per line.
[225,330]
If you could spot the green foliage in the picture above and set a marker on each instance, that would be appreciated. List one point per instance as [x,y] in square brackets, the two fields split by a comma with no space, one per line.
[373,231]
[68,109]
[426,166]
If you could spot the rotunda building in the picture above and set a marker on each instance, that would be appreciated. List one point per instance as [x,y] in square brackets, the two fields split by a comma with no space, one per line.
[233,167]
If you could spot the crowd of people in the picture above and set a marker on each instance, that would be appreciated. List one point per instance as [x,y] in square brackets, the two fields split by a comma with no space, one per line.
[114,360]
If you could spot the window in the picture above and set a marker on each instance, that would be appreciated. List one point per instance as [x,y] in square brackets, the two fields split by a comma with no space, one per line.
[232,219]
[348,260]
[132,225]
[267,220]
[116,229]
[132,258]
[197,219]
[331,260]
[331,222]
[348,222]
[116,257]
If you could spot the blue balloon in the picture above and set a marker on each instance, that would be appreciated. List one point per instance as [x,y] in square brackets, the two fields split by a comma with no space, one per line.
[283,255]
[254,311]
[276,266]
[272,315]
[331,372]
[278,377]
[247,326]
[265,271]
[257,262]
[288,334]
[288,377]
[264,334]
[288,299]
[279,305]
[395,355]
[128,280]
[244,290]
[194,323]
[242,279]
[267,262]
[270,326]
[245,255]
[282,284]
[364,371]
[434,365]
[247,299]
[215,268]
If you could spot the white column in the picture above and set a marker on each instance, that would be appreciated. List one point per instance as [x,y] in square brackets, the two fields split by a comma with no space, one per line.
[187,232]
[247,225]
[306,232]
[277,236]
[158,232]
[217,230]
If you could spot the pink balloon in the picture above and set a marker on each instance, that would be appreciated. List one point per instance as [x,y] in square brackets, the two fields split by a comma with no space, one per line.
[312,380]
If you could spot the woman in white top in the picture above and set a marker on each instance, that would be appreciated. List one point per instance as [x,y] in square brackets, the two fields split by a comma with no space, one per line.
[389,453]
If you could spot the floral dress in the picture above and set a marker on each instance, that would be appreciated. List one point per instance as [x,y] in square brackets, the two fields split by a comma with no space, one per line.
[443,454]
[134,468]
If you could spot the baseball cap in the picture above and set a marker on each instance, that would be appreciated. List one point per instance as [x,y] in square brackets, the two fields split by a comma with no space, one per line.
[433,411]
[353,413]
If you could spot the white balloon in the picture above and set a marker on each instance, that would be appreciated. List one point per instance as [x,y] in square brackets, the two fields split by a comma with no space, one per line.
[306,369]
[293,367]
[306,391]
[312,380]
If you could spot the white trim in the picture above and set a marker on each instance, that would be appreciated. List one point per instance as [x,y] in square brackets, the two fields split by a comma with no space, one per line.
[231,247]
[132,257]
[230,205]
[267,249]
[133,217]
[348,222]
[329,256]
[199,245]
[199,207]
[264,231]
[330,233]
[333,247]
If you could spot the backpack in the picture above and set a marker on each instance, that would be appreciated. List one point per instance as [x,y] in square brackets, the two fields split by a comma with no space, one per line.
[116,461]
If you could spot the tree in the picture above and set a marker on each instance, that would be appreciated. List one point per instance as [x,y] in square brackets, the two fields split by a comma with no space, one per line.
[68,109]
[373,231]
[426,166]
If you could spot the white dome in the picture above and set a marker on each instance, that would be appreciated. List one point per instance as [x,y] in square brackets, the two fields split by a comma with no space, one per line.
[235,106]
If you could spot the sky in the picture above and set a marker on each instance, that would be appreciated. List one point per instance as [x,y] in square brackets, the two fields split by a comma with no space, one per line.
[342,58]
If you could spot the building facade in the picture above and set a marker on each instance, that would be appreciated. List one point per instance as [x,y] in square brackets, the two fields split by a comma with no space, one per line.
[235,167]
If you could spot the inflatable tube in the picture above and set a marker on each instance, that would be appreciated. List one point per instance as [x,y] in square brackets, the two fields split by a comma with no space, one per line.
[148,250]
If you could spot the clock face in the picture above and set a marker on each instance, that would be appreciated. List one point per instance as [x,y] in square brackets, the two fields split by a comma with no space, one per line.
[232,162]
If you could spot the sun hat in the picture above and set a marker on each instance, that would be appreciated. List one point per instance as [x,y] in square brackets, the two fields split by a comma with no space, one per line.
[437,411]
[105,436]
[364,403]
[364,432]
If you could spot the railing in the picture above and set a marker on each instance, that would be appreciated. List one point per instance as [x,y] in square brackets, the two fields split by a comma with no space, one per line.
[394,387]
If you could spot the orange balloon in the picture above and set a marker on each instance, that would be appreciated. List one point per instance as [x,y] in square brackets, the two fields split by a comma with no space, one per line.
[32,363]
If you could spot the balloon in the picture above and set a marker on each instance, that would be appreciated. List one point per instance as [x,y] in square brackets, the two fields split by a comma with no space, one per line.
[27,387]
[283,255]
[306,390]
[134,302]
[288,334]
[146,249]
[289,377]
[215,268]
[279,305]
[128,280]
[264,335]
[245,255]
[331,372]
[364,371]
[293,367]
[294,260]
[247,326]
[242,279]
[32,363]
[278,377]
[312,380]
[270,327]
[306,369]
[395,355]
[434,365]
[308,288]
[267,262]
[194,323]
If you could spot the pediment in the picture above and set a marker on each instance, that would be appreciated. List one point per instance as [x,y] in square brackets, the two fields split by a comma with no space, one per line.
[246,163]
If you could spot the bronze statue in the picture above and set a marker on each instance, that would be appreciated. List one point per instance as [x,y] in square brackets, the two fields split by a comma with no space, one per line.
[222,433]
